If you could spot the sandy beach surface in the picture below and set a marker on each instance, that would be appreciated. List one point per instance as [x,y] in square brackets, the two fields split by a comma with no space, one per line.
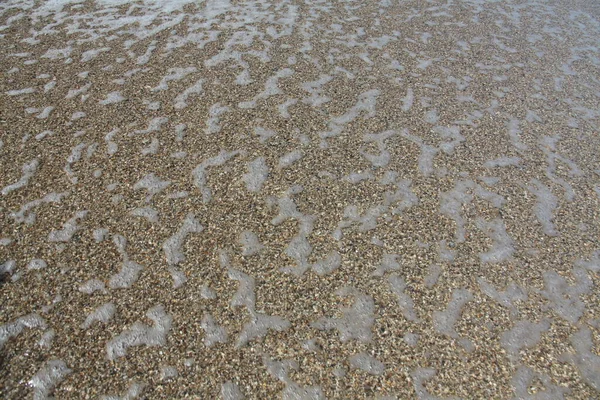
[299,199]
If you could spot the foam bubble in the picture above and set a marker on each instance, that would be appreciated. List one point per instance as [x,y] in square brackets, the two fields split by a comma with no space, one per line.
[152,147]
[47,378]
[389,262]
[173,245]
[54,54]
[188,362]
[199,173]
[36,263]
[503,162]
[545,206]
[408,100]
[367,221]
[250,243]
[244,296]
[419,376]
[14,328]
[514,132]
[264,134]
[451,204]
[213,333]
[524,334]
[100,234]
[28,170]
[20,92]
[284,107]
[315,88]
[548,146]
[593,264]
[173,74]
[453,134]
[43,134]
[398,286]
[271,88]
[356,321]
[428,153]
[443,321]
[280,370]
[180,132]
[45,113]
[142,334]
[367,363]
[154,125]
[231,391]
[507,298]
[258,171]
[146,212]
[214,116]
[327,265]
[112,147]
[75,156]
[134,391]
[411,339]
[357,177]
[167,372]
[403,198]
[27,216]
[299,248]
[383,158]
[76,92]
[526,377]
[433,275]
[584,358]
[127,275]
[49,86]
[47,308]
[366,103]
[179,277]
[207,293]
[91,286]
[112,98]
[145,58]
[152,184]
[103,314]
[288,159]
[181,100]
[47,339]
[565,299]
[69,229]
[260,323]
[502,244]
[259,326]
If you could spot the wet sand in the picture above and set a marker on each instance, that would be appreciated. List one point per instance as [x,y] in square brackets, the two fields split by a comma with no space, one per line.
[299,200]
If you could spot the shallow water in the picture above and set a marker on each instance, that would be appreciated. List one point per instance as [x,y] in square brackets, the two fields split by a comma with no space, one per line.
[302,200]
